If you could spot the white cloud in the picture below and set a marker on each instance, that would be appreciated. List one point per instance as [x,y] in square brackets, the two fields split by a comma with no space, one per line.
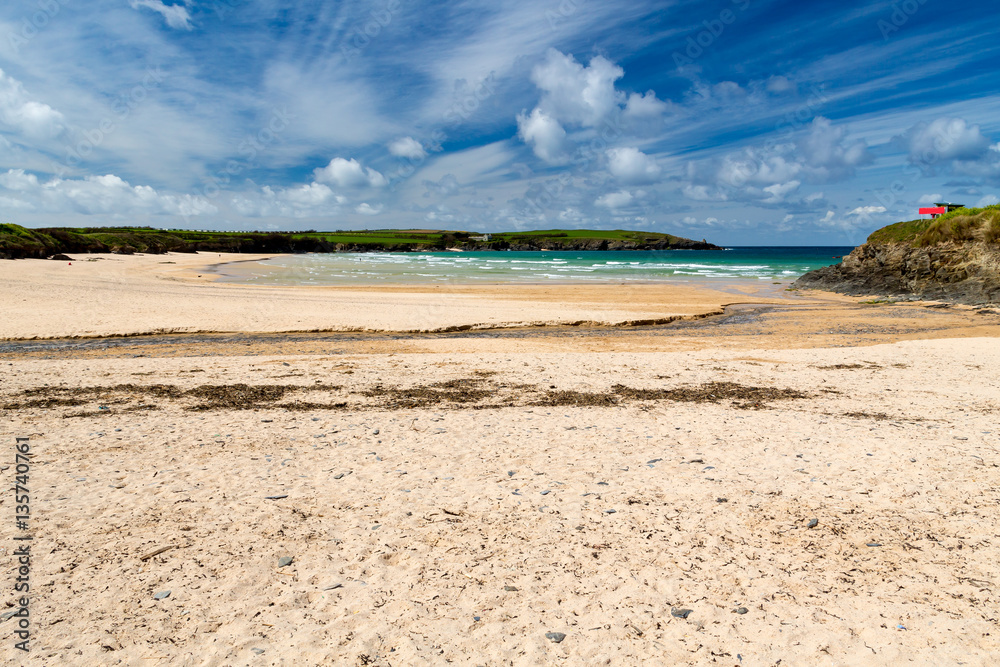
[176,15]
[779,84]
[615,200]
[945,139]
[988,200]
[364,208]
[779,191]
[545,135]
[349,174]
[407,147]
[312,194]
[107,194]
[632,167]
[30,117]
[826,153]
[929,199]
[864,211]
[702,193]
[301,201]
[645,106]
[576,94]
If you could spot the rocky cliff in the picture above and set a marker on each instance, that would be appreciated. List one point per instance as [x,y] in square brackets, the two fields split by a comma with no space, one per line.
[955,260]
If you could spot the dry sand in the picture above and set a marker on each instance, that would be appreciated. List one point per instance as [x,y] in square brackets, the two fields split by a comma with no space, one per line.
[455,498]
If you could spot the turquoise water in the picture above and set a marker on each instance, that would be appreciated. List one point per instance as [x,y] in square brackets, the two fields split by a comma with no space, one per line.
[744,263]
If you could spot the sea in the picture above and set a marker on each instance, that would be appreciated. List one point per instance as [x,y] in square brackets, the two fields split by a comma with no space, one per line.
[779,263]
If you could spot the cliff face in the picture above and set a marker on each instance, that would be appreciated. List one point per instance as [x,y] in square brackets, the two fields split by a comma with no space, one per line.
[966,272]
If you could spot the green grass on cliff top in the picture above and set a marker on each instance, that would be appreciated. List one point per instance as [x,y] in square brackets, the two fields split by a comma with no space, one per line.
[958,226]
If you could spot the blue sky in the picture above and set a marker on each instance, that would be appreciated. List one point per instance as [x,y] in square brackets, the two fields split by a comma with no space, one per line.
[748,122]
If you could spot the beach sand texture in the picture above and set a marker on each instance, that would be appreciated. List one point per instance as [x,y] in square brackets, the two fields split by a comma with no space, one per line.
[448,506]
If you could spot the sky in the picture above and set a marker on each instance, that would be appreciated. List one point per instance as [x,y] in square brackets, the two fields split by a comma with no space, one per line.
[745,122]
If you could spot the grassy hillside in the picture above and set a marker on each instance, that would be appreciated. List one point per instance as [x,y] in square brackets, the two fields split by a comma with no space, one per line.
[17,241]
[964,224]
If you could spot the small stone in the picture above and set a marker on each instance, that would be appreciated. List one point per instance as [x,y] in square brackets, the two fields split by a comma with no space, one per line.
[610,511]
[722,500]
[334,587]
[258,651]
[913,460]
[653,461]
[873,544]
[556,637]
[741,610]
[283,363]
[284,561]
[162,595]
[510,589]
[812,523]
[510,473]
[546,492]
[476,618]
[375,432]
[680,613]
[275,497]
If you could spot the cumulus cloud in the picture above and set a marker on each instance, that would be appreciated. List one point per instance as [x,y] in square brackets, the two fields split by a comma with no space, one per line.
[944,139]
[407,147]
[779,191]
[988,200]
[301,201]
[364,208]
[349,174]
[768,175]
[866,210]
[107,194]
[615,200]
[19,111]
[929,199]
[574,93]
[545,135]
[176,16]
[779,85]
[632,167]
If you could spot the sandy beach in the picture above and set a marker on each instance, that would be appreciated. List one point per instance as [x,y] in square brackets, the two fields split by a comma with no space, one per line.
[774,478]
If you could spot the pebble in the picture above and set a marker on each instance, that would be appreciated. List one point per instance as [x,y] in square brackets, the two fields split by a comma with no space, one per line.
[556,637]
[873,544]
[610,511]
[913,460]
[546,492]
[680,613]
[741,610]
[722,500]
[476,618]
[275,497]
[510,473]
[334,587]
[162,595]
[812,523]
[510,589]
[654,461]
[375,432]
[284,561]
[258,651]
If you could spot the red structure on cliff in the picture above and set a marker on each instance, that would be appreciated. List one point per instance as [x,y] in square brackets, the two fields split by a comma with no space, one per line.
[940,209]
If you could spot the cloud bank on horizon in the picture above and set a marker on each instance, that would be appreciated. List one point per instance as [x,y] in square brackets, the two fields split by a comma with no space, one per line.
[741,121]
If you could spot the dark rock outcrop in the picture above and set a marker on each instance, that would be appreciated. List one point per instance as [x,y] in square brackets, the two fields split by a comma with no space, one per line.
[955,272]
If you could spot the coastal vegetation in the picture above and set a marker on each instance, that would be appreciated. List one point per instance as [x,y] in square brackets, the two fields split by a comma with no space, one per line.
[20,242]
[960,225]
[954,257]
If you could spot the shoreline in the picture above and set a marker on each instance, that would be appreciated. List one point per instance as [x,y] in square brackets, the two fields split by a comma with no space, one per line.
[111,295]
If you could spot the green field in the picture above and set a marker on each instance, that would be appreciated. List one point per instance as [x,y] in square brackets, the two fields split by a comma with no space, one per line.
[17,241]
